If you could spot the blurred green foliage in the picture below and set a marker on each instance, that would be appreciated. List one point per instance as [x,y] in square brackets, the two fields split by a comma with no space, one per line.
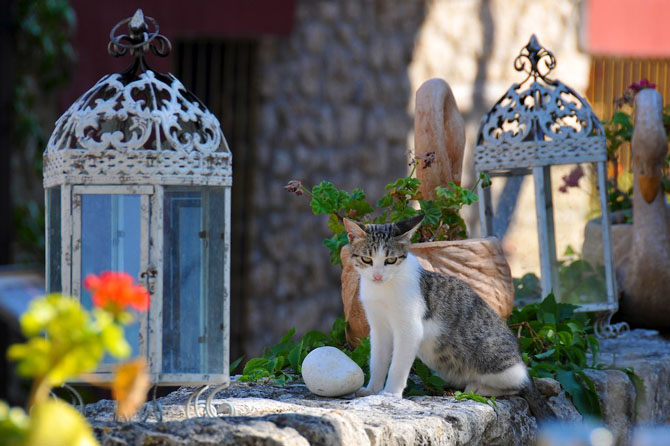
[43,58]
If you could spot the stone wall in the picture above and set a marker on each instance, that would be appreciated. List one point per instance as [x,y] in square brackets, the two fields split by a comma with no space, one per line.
[333,106]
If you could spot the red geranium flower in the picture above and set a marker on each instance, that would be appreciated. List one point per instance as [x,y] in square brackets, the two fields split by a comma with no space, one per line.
[115,291]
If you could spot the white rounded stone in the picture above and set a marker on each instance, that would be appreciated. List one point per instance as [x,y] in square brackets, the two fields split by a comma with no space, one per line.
[329,372]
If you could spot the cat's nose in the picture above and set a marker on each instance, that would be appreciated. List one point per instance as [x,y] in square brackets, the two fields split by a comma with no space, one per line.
[377,277]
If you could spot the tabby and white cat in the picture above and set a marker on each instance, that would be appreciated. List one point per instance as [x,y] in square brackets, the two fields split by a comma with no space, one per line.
[413,312]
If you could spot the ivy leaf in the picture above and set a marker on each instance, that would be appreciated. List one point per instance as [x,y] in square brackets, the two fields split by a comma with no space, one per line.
[581,399]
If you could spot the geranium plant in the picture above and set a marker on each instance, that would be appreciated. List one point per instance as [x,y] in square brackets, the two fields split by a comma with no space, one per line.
[401,200]
[63,341]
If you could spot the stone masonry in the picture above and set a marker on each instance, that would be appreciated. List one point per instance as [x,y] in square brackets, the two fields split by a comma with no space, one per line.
[333,106]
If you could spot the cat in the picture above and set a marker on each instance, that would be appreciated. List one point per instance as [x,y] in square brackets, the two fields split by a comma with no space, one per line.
[413,313]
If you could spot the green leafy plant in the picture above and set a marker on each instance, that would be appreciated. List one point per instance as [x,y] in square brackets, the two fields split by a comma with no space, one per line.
[442,220]
[555,342]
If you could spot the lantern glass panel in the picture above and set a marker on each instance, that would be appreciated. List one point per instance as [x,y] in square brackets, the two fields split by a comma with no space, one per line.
[580,267]
[53,267]
[570,241]
[193,280]
[515,224]
[110,241]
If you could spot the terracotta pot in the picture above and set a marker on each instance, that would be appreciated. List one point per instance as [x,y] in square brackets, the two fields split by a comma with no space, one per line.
[478,262]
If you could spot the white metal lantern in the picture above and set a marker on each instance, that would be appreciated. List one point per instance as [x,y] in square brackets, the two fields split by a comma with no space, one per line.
[138,175]
[540,123]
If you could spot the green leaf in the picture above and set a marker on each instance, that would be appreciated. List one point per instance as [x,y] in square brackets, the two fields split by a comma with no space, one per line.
[402,212]
[431,213]
[546,354]
[326,199]
[335,244]
[474,397]
[338,331]
[361,353]
[335,225]
[294,357]
[358,203]
[254,364]
[585,398]
[287,337]
[313,339]
[233,366]
[436,381]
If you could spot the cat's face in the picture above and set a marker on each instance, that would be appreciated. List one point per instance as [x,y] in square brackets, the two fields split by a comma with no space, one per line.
[378,251]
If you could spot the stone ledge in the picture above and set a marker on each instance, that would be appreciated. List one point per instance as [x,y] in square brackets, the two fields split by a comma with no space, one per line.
[267,415]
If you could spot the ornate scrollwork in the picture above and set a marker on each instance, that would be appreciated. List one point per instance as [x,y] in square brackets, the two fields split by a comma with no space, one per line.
[535,60]
[138,41]
[138,124]
[536,111]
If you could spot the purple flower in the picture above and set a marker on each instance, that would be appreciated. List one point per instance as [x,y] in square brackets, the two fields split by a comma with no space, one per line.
[572,179]
[294,186]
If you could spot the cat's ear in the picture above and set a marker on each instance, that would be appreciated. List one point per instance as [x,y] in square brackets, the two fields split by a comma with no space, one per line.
[407,228]
[354,231]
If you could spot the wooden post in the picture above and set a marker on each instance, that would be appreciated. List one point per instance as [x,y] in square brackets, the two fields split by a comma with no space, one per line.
[545,229]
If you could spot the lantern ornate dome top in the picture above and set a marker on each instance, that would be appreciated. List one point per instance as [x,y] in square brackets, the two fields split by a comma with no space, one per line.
[538,122]
[138,126]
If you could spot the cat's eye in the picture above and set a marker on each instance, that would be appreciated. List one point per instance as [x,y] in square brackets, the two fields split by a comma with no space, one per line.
[390,260]
[366,260]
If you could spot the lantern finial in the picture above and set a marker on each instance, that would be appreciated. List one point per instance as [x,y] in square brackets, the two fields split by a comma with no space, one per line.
[138,41]
[533,54]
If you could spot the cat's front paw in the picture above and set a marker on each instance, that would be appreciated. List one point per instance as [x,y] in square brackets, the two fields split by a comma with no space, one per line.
[391,394]
[364,391]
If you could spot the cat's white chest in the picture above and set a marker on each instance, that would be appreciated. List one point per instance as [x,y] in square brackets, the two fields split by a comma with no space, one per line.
[397,302]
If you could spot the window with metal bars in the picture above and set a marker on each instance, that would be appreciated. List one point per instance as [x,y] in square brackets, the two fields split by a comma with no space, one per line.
[222,73]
